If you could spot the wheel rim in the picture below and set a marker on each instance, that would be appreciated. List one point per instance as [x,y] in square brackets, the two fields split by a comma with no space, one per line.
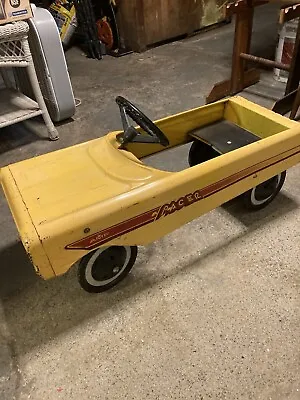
[263,192]
[107,264]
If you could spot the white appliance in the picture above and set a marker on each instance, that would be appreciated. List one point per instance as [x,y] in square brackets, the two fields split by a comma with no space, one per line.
[50,64]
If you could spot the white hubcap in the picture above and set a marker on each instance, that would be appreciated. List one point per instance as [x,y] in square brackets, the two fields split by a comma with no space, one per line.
[258,202]
[117,270]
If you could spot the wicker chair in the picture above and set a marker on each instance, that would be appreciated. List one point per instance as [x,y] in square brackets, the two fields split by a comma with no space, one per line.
[14,105]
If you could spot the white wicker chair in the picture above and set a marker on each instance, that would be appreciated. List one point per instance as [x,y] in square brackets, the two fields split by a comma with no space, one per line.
[14,105]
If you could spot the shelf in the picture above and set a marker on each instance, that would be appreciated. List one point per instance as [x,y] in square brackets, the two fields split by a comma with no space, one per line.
[16,107]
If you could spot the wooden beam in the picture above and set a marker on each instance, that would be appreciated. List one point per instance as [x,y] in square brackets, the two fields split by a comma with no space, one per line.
[223,89]
[265,61]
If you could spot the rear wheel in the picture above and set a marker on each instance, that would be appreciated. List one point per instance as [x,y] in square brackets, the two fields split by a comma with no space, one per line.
[103,268]
[201,152]
[262,195]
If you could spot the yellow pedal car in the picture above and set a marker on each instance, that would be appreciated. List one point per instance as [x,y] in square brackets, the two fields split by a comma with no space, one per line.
[97,201]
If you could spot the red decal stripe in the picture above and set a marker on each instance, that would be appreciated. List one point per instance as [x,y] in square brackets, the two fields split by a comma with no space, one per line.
[99,238]
[106,235]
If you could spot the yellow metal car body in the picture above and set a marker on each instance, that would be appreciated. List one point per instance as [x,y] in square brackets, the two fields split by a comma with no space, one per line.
[100,194]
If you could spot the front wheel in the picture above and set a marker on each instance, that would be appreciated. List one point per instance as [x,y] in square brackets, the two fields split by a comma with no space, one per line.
[103,268]
[262,195]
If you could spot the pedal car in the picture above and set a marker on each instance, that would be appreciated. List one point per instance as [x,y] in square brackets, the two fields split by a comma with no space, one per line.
[97,201]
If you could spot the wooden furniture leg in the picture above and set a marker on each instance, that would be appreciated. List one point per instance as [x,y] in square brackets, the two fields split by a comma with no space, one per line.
[242,42]
[294,75]
[240,77]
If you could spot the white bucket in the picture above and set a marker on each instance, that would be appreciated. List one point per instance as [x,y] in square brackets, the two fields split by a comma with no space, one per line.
[285,48]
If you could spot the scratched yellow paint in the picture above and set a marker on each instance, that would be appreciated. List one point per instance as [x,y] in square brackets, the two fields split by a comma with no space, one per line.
[57,197]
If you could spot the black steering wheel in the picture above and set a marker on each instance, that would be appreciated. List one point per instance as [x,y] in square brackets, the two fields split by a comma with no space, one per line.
[130,134]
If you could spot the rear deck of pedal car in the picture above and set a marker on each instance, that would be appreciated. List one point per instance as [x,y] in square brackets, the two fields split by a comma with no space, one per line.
[241,124]
[234,120]
[254,118]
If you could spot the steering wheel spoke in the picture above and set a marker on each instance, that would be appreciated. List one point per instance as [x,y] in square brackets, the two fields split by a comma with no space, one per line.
[130,134]
[124,118]
[140,138]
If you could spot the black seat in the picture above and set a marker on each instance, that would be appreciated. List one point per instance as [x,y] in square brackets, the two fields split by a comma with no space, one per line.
[224,136]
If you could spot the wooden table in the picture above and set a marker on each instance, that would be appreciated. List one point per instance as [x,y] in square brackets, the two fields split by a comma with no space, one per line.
[241,75]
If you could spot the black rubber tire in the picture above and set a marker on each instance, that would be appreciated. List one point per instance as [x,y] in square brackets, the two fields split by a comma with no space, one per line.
[251,203]
[90,283]
[201,152]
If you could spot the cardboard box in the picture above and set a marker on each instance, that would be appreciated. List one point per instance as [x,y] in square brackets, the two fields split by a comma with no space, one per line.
[14,10]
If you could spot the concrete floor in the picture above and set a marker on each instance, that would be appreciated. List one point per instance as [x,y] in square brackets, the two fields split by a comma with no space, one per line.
[209,312]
